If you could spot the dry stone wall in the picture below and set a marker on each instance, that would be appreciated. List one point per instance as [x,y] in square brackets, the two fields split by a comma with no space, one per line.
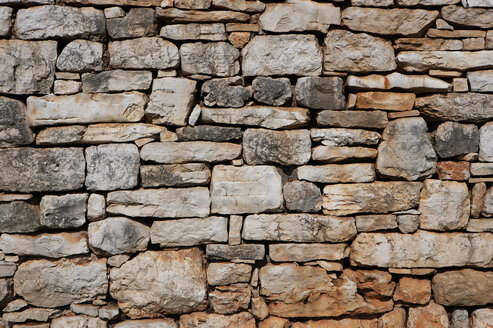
[242,164]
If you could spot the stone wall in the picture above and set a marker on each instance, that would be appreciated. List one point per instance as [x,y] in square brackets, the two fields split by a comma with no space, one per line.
[232,163]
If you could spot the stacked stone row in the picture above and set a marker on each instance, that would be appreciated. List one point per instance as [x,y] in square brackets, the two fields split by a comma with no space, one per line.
[232,163]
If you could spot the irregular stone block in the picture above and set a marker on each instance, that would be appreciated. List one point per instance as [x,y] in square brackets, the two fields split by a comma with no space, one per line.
[54,245]
[337,173]
[211,59]
[180,275]
[352,119]
[311,200]
[190,232]
[161,203]
[174,15]
[427,44]
[431,315]
[14,127]
[41,170]
[117,235]
[171,100]
[18,216]
[274,92]
[357,52]
[227,92]
[422,249]
[112,166]
[470,17]
[81,56]
[235,252]
[458,107]
[191,151]
[481,81]
[422,61]
[408,223]
[66,211]
[59,135]
[412,290]
[388,21]
[212,320]
[261,146]
[96,207]
[426,2]
[320,92]
[31,314]
[481,318]
[303,228]
[328,154]
[230,299]
[119,132]
[413,83]
[58,283]
[138,22]
[143,53]
[307,252]
[19,58]
[246,189]
[116,81]
[385,101]
[148,323]
[5,20]
[453,171]
[282,55]
[86,108]
[259,116]
[375,197]
[345,137]
[453,139]
[228,273]
[365,223]
[192,4]
[486,142]
[190,174]
[208,133]
[77,321]
[194,31]
[299,16]
[240,5]
[55,22]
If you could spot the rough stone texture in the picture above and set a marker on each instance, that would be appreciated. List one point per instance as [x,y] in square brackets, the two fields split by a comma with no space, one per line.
[299,16]
[261,146]
[190,232]
[208,133]
[119,132]
[180,275]
[14,127]
[194,31]
[320,92]
[311,200]
[375,222]
[81,56]
[212,320]
[422,249]
[385,100]
[388,21]
[305,253]
[481,318]
[51,284]
[486,142]
[298,228]
[406,151]
[357,52]
[35,170]
[190,174]
[328,154]
[431,315]
[5,20]
[60,22]
[337,173]
[421,61]
[471,17]
[60,212]
[227,92]
[228,273]
[117,235]
[453,170]
[352,119]
[116,81]
[375,197]
[138,22]
[454,139]
[191,151]
[19,216]
[174,15]
[481,81]
[412,290]
[487,206]
[78,321]
[274,92]
[398,81]
[213,59]
[148,323]
[345,137]
[282,55]
[18,58]
[246,189]
[235,252]
[112,166]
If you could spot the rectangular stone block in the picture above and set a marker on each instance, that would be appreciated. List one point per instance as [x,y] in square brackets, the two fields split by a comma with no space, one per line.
[307,252]
[422,61]
[172,175]
[352,119]
[190,151]
[337,173]
[235,252]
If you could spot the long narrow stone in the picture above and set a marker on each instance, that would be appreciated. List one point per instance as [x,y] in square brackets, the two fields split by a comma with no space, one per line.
[175,15]
[190,232]
[337,173]
[307,252]
[422,61]
[190,151]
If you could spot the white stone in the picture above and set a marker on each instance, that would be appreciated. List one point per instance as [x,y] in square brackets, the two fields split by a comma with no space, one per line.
[65,211]
[190,151]
[210,59]
[345,137]
[81,56]
[5,20]
[194,31]
[96,207]
[422,61]
[398,81]
[486,142]
[147,323]
[116,80]
[77,321]
[120,132]
[228,273]
[337,173]
[481,81]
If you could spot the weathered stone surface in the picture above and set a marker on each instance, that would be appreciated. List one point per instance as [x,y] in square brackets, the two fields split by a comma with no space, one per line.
[352,119]
[81,56]
[431,315]
[471,17]
[192,4]
[230,299]
[408,223]
[14,127]
[282,55]
[5,20]
[246,189]
[274,92]
[458,107]
[422,249]
[487,206]
[155,283]
[406,152]
[481,169]
[48,169]
[453,170]
[119,132]
[117,235]
[261,146]
[337,173]
[357,52]
[459,319]
[208,133]
[112,166]
[18,59]
[227,92]
[454,139]
[147,52]
[190,174]
[47,22]
[486,142]
[31,314]
[6,293]
[375,197]
[426,2]
[477,197]
[481,318]
[60,135]
[78,321]
[191,151]
[190,232]
[212,320]
[427,44]
[194,31]
[174,15]
[86,108]
[51,284]
[311,200]
[148,323]
[345,137]
[116,80]
[212,59]
[465,287]
[320,92]
[60,212]
[385,100]
[412,290]
[481,81]
[299,16]
[330,154]
[234,252]
[219,273]
[261,116]
[138,22]
[240,5]
[19,216]
[171,100]
[7,269]
[66,87]
[298,228]
[48,245]
[388,21]
[307,252]
[239,39]
[398,81]
[422,61]
[375,222]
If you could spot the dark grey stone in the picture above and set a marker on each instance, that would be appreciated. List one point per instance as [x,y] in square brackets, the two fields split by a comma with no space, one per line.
[14,128]
[320,92]
[228,92]
[208,133]
[234,252]
[274,92]
[19,217]
[453,139]
[67,211]
[302,196]
[137,23]
[190,174]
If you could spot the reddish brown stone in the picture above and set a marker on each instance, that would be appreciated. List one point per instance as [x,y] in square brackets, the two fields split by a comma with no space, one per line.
[385,100]
[429,316]
[274,322]
[239,39]
[412,290]
[393,319]
[458,171]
